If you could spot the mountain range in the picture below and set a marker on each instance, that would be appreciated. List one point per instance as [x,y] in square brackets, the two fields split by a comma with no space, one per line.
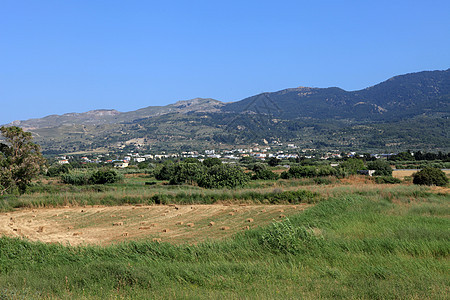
[407,111]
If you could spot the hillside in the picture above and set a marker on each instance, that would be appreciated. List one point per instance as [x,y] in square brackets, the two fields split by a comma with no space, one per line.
[410,111]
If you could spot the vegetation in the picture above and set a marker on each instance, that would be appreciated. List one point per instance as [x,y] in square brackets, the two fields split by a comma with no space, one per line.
[358,244]
[100,176]
[20,160]
[430,176]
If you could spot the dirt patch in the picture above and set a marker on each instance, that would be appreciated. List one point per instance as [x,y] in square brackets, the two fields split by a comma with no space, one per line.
[106,225]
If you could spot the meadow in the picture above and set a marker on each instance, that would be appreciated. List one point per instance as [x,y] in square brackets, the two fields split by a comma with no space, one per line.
[356,239]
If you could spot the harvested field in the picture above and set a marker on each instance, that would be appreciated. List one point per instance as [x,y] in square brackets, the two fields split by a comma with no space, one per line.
[107,225]
[400,174]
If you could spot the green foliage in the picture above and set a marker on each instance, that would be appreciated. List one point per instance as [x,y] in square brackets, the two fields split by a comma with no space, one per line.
[187,172]
[273,161]
[58,169]
[224,176]
[20,160]
[287,238]
[311,171]
[100,176]
[430,176]
[166,171]
[386,179]
[263,173]
[352,165]
[382,168]
[402,156]
[211,161]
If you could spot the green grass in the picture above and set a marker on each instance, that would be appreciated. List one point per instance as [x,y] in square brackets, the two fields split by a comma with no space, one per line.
[357,244]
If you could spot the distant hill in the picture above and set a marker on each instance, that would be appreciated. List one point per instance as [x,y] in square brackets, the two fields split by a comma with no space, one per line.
[410,111]
[399,97]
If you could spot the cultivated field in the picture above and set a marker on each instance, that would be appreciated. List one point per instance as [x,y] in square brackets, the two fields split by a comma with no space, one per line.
[105,225]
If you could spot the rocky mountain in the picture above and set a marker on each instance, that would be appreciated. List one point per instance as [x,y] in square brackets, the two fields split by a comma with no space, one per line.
[105,116]
[410,111]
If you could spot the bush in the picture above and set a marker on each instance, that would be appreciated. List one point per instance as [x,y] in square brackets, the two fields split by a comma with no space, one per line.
[382,168]
[386,179]
[101,176]
[286,238]
[430,176]
[225,175]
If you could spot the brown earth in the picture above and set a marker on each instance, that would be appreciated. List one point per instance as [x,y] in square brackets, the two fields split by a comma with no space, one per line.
[106,225]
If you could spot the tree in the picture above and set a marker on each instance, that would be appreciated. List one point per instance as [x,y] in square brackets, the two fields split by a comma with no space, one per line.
[382,168]
[20,160]
[430,176]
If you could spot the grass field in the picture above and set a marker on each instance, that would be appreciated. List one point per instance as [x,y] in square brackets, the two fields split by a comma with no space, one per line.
[356,240]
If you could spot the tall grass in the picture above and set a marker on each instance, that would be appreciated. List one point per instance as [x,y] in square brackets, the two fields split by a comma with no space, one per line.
[354,245]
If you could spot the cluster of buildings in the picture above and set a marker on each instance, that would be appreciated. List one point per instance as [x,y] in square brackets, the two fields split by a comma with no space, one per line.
[287,152]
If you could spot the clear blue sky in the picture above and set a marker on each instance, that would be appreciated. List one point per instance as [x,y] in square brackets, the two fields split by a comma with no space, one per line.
[73,56]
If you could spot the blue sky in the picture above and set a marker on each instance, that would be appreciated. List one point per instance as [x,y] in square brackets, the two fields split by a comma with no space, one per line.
[73,56]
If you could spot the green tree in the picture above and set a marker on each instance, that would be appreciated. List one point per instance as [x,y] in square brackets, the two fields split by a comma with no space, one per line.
[430,176]
[224,175]
[212,161]
[352,165]
[382,168]
[20,160]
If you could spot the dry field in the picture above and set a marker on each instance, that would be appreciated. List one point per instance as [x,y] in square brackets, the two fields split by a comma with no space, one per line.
[400,174]
[167,223]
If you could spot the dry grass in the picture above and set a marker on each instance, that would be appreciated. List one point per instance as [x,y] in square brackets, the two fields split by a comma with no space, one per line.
[93,226]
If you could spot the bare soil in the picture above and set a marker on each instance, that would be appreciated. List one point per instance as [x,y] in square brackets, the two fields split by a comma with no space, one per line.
[106,225]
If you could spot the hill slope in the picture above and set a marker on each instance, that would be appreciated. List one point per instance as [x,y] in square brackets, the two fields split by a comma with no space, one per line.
[410,111]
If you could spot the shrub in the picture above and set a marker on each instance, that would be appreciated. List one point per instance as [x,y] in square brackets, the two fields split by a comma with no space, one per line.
[386,179]
[224,175]
[382,168]
[285,237]
[430,176]
[103,176]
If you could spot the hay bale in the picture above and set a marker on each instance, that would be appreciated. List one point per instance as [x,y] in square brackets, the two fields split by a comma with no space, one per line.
[246,228]
[212,223]
[17,230]
[34,216]
[224,228]
[143,223]
[66,217]
[282,216]
[139,205]
[281,210]
[125,234]
[153,225]
[179,223]
[242,204]
[77,233]
[123,217]
[157,240]
[164,215]
[263,210]
[141,216]
[144,227]
[249,220]
[40,229]
[55,215]
[231,214]
[165,230]
[118,224]
[70,227]
[190,224]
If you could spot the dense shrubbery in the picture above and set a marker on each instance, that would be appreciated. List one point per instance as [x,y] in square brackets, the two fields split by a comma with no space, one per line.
[386,179]
[224,175]
[382,168]
[101,176]
[262,172]
[57,170]
[311,171]
[215,176]
[430,176]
